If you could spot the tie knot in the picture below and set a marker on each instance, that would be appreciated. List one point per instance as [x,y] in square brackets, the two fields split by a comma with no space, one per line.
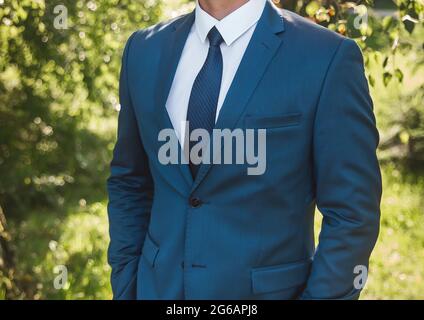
[215,38]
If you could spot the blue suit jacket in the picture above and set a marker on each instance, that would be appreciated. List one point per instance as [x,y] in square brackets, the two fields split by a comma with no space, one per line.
[253,236]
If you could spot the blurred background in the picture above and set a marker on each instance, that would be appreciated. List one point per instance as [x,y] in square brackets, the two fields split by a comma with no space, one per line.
[59,67]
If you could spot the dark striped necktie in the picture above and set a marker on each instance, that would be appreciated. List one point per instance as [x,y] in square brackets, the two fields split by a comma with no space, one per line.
[204,95]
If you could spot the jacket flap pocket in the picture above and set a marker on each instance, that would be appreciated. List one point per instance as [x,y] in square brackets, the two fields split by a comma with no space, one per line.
[276,121]
[150,250]
[280,277]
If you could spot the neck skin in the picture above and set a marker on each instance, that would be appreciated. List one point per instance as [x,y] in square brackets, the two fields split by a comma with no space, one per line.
[219,9]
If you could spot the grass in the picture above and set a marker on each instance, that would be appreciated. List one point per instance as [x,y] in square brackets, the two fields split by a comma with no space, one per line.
[397,264]
[77,241]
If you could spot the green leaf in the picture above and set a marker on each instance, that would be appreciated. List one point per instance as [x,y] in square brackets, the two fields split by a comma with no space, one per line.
[312,8]
[371,80]
[386,60]
[404,137]
[409,23]
[409,26]
[333,27]
[377,57]
[387,22]
[399,74]
[387,76]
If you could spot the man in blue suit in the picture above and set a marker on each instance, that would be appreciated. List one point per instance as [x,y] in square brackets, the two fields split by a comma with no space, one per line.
[212,231]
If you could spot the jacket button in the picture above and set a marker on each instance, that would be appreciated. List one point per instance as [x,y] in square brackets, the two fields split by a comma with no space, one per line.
[195,202]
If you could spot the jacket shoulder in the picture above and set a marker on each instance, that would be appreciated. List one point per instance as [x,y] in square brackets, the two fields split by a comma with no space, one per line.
[310,40]
[307,28]
[158,30]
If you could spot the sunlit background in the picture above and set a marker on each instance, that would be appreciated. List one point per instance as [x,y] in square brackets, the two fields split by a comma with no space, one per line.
[58,114]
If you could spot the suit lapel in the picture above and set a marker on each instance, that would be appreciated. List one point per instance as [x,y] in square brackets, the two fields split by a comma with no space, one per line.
[167,67]
[263,46]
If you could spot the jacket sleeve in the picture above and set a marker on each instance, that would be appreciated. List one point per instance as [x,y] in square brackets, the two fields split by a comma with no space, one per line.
[130,190]
[347,178]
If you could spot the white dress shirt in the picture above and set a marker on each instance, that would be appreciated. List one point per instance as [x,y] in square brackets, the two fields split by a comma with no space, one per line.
[236,29]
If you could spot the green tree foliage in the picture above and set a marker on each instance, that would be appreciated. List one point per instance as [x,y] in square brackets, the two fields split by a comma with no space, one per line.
[54,85]
[57,88]
[355,19]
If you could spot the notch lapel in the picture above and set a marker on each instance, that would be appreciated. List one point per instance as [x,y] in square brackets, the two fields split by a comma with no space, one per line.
[263,46]
[171,55]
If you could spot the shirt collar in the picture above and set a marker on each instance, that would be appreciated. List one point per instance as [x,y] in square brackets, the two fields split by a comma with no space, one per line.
[232,26]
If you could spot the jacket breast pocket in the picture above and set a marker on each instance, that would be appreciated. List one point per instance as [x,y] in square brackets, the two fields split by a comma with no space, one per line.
[272,121]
